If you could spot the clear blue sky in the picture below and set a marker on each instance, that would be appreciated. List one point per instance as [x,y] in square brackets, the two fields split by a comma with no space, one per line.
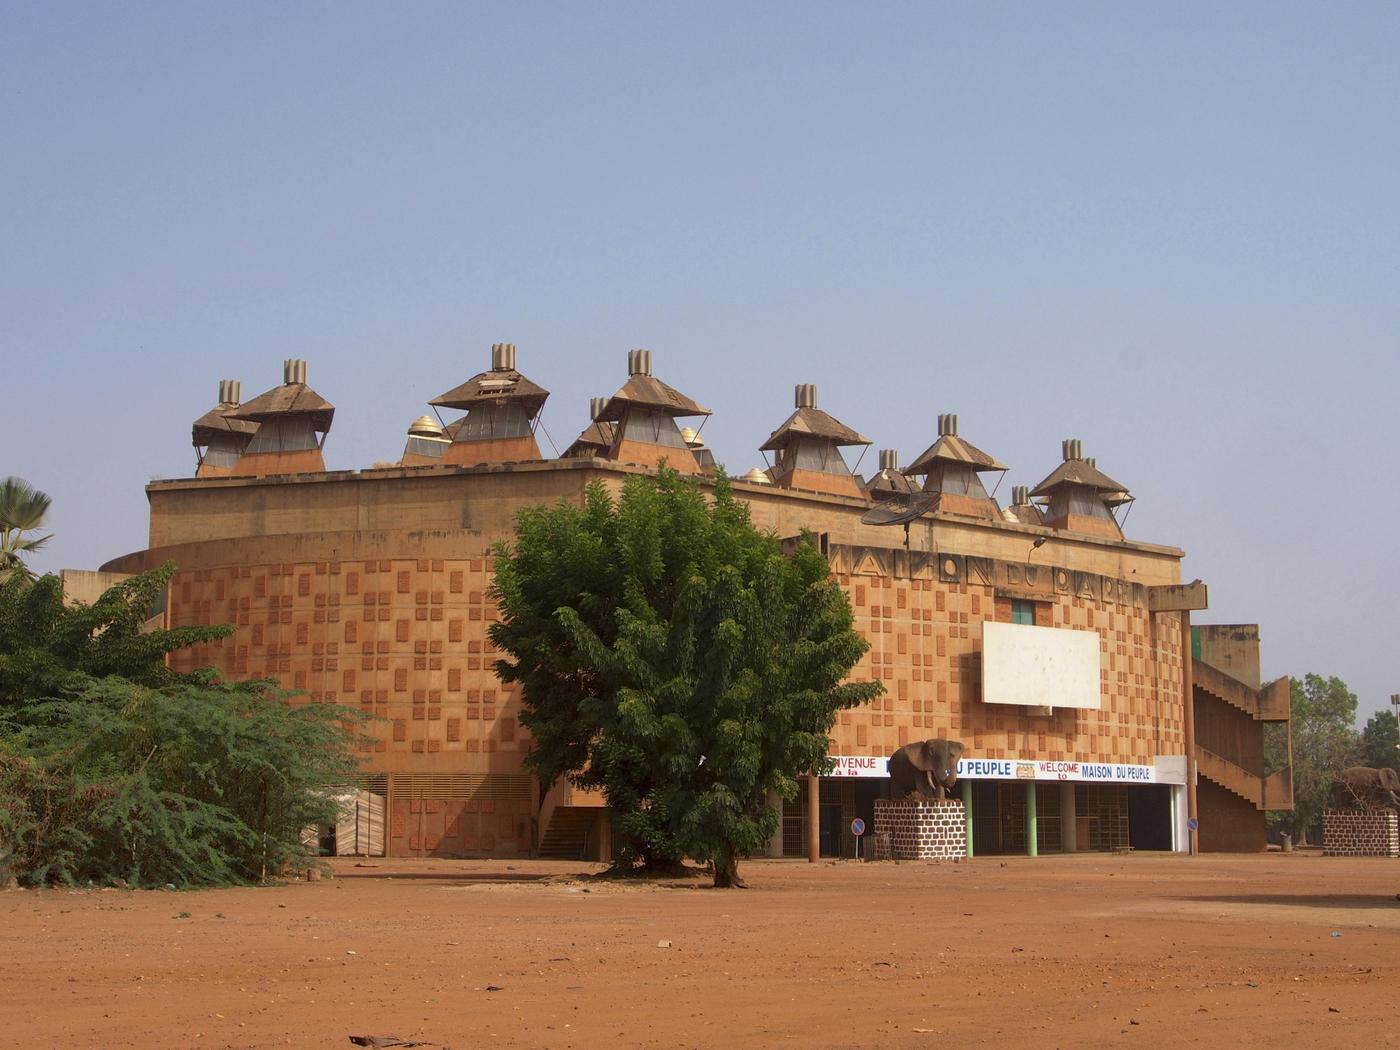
[1168,230]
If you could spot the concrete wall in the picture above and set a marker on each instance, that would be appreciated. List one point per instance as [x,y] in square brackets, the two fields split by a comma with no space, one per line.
[1229,824]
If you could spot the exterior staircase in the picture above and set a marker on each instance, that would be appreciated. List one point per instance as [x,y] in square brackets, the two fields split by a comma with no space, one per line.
[569,833]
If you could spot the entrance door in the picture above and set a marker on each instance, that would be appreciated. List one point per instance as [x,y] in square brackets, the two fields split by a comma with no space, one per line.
[830,830]
[1150,816]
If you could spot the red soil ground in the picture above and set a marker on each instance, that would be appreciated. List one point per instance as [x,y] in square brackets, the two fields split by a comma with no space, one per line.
[1154,951]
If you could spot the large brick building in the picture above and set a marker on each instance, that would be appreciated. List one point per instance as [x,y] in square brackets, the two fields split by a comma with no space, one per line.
[372,588]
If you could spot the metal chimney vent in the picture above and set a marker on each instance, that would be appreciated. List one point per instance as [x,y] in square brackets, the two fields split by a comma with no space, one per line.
[1092,462]
[948,425]
[889,459]
[805,395]
[1020,495]
[639,362]
[1072,448]
[503,357]
[230,392]
[293,371]
[596,406]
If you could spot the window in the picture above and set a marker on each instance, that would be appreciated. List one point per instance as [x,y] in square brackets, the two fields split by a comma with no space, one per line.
[1023,611]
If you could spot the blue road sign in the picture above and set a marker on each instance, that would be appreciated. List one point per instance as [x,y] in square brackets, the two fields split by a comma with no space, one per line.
[1193,824]
[857,827]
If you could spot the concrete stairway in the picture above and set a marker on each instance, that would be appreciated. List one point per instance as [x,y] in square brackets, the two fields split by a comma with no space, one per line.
[568,833]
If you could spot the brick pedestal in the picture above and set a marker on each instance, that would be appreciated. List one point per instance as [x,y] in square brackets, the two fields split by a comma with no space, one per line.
[1358,833]
[919,830]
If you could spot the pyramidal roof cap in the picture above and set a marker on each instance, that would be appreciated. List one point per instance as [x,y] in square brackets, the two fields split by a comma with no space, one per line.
[646,391]
[1076,470]
[292,398]
[953,449]
[219,420]
[810,421]
[502,383]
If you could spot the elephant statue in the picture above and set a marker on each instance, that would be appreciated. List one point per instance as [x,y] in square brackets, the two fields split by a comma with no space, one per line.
[1361,787]
[925,769]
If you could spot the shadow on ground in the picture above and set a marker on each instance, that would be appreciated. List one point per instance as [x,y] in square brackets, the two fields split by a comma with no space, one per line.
[1307,900]
[454,878]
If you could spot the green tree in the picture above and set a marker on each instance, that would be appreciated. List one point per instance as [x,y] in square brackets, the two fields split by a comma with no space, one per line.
[1324,741]
[190,784]
[22,511]
[44,643]
[675,658]
[1380,741]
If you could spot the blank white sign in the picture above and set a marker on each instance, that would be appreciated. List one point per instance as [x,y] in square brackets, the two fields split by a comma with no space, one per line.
[1039,666]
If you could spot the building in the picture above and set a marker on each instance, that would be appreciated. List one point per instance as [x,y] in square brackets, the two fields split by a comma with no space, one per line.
[372,588]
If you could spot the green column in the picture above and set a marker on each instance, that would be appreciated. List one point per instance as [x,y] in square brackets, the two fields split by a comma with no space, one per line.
[967,816]
[1032,832]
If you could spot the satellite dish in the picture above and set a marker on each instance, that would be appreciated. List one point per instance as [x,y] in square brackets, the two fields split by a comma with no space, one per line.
[892,513]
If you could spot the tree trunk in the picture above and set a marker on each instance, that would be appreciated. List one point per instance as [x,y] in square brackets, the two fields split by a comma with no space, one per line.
[727,871]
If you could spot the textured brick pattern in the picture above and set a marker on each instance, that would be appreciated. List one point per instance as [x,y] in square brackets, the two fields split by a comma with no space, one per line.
[402,639]
[919,830]
[1360,833]
[925,646]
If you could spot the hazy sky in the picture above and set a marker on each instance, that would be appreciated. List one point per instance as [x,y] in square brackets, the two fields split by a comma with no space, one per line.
[1170,231]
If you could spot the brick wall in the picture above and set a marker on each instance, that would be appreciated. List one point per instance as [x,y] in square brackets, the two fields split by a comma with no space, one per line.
[1360,833]
[919,830]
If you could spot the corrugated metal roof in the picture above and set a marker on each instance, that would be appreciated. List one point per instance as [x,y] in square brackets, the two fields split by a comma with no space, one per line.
[596,436]
[812,422]
[219,421]
[505,385]
[887,483]
[1078,472]
[952,447]
[290,399]
[650,392]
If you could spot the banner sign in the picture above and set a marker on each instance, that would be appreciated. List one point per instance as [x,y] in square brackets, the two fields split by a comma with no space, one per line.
[1164,772]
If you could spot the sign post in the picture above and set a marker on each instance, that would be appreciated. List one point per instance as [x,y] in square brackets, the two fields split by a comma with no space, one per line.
[857,829]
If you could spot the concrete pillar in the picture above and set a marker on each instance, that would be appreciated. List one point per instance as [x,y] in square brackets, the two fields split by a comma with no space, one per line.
[1032,824]
[967,815]
[814,822]
[1069,819]
[775,844]
[1189,711]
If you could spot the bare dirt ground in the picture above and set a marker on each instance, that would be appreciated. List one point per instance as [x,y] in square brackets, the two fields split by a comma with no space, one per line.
[1087,950]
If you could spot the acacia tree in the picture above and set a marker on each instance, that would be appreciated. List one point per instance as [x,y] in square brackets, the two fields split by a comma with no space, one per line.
[44,642]
[675,658]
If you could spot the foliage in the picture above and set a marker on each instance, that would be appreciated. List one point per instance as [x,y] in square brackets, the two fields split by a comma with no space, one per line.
[1324,741]
[190,784]
[22,510]
[675,658]
[1380,741]
[44,643]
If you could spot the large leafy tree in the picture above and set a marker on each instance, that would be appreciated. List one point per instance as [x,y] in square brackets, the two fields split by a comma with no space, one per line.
[677,659]
[44,642]
[22,512]
[1380,741]
[1324,741]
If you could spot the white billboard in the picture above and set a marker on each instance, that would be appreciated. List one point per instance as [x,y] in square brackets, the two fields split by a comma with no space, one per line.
[1039,666]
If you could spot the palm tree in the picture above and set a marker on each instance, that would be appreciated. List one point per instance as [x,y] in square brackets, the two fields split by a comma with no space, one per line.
[22,510]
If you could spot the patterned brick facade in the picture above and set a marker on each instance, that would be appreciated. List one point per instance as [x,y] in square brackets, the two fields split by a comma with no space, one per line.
[925,640]
[919,830]
[371,589]
[1360,833]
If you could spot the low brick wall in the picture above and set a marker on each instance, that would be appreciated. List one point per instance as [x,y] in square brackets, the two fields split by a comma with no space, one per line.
[919,830]
[1360,833]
